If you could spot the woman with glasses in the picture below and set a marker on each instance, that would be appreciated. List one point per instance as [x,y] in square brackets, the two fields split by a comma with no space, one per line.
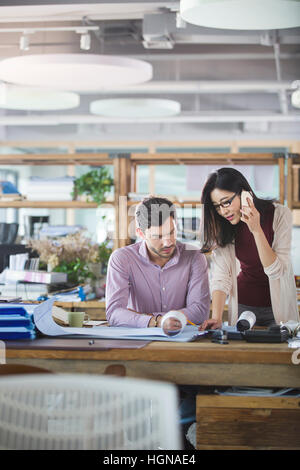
[250,244]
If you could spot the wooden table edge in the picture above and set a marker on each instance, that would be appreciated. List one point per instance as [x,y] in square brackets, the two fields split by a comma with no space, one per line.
[173,352]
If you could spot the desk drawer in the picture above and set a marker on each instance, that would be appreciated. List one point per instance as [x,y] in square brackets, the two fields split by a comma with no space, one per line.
[248,422]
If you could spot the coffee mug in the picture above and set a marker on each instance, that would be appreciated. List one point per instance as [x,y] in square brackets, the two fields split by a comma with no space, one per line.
[76,319]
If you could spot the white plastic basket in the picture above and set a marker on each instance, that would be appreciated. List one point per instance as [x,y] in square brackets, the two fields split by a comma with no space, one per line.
[52,412]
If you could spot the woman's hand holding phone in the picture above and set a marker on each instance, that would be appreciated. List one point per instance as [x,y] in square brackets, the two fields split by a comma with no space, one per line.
[250,214]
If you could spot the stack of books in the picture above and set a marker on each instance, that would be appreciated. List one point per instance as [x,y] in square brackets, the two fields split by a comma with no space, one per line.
[35,276]
[16,323]
[50,189]
[23,279]
[25,291]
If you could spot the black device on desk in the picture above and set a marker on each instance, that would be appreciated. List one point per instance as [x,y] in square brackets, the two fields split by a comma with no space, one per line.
[216,335]
[274,334]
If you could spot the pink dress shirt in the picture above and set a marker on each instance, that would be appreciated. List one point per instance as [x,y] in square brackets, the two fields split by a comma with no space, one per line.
[134,282]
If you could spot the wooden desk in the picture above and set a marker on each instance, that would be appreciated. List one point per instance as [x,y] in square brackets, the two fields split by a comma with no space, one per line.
[244,422]
[198,363]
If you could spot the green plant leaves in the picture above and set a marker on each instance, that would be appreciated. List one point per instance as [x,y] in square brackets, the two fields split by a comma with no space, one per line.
[76,270]
[95,184]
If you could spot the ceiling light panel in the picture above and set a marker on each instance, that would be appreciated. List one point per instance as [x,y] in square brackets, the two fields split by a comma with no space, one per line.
[242,14]
[32,99]
[135,108]
[74,72]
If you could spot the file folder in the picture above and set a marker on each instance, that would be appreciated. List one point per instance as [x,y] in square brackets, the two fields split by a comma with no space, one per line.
[16,321]
[7,333]
[13,310]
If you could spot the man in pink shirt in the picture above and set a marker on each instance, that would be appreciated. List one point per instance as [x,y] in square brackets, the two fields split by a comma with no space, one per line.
[158,274]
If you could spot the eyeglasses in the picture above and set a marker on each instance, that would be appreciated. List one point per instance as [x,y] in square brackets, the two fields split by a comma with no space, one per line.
[225,204]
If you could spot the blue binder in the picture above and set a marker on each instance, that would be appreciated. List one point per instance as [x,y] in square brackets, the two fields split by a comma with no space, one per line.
[7,333]
[16,323]
[15,320]
[13,310]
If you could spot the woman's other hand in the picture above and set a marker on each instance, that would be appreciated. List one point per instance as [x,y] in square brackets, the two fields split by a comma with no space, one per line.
[211,324]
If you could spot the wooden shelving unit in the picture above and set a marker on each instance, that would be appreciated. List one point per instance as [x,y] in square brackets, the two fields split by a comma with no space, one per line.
[293,181]
[125,168]
[56,159]
[198,159]
[48,204]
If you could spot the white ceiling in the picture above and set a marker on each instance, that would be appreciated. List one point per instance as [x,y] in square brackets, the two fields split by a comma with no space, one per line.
[228,82]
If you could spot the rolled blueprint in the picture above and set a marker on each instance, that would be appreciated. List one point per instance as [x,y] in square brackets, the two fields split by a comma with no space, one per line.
[173,314]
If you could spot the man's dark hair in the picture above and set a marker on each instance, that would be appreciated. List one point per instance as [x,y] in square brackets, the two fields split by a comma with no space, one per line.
[153,212]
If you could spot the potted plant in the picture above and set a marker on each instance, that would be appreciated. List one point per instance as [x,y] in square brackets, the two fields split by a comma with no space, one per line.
[104,253]
[95,184]
[76,254]
[98,267]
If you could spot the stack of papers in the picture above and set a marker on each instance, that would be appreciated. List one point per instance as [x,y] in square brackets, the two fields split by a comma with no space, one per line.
[41,277]
[50,189]
[7,300]
[27,291]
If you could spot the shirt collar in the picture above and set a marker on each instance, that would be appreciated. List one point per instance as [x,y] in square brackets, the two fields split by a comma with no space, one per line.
[143,251]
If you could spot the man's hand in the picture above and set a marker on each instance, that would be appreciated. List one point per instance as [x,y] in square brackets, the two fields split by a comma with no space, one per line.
[171,324]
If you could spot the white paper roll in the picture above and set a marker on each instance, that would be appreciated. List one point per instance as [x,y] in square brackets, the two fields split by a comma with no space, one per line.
[174,314]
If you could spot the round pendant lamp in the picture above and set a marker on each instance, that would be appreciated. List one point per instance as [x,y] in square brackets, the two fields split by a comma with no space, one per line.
[135,107]
[34,99]
[242,14]
[74,72]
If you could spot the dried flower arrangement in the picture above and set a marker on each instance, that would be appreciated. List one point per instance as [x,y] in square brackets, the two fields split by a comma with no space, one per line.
[72,254]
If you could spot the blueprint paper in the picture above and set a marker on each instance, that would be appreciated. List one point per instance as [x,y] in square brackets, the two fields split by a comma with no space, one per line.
[46,325]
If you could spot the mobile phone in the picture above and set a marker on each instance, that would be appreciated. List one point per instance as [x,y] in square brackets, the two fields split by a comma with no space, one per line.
[244,196]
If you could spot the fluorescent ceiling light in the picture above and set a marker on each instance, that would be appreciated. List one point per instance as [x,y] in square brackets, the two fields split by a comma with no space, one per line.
[24,42]
[32,99]
[180,23]
[74,72]
[135,108]
[85,41]
[295,98]
[242,14]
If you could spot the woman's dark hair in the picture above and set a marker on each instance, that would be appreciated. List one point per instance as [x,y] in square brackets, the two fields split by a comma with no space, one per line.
[217,231]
